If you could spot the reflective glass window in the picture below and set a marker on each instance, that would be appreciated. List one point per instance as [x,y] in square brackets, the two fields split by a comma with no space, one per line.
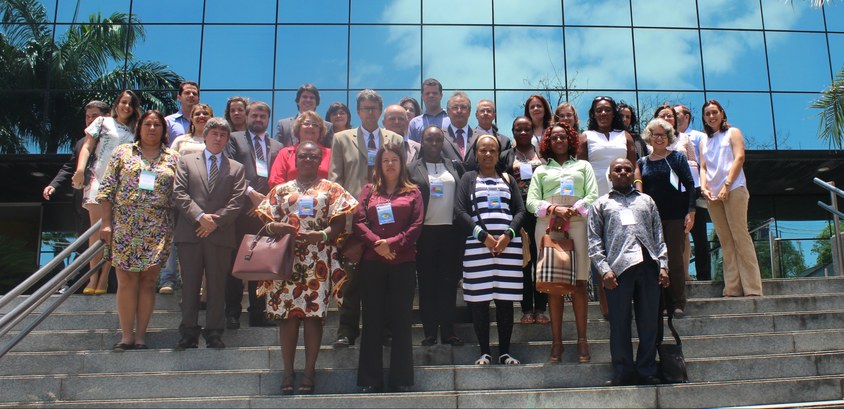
[599,58]
[834,17]
[597,13]
[749,112]
[836,51]
[797,123]
[259,11]
[529,57]
[734,60]
[49,9]
[168,11]
[68,8]
[387,11]
[60,36]
[161,44]
[583,101]
[238,57]
[539,12]
[457,12]
[798,61]
[311,54]
[217,99]
[459,57]
[730,14]
[385,57]
[791,15]
[664,13]
[311,11]
[648,102]
[668,59]
[285,105]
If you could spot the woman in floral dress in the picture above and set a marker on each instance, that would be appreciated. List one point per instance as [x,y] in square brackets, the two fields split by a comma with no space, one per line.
[314,210]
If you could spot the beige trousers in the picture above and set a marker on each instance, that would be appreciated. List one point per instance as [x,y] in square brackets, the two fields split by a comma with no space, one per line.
[741,268]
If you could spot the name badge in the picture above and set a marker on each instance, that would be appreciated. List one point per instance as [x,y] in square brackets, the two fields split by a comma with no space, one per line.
[567,187]
[493,201]
[627,217]
[306,206]
[437,188]
[147,181]
[525,171]
[385,213]
[370,157]
[261,168]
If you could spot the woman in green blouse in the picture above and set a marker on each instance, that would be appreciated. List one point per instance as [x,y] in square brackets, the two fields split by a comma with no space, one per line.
[562,190]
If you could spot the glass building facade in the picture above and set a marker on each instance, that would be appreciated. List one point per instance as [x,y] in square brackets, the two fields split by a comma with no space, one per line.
[764,60]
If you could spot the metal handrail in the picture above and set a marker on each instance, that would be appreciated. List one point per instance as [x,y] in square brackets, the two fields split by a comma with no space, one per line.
[834,193]
[754,230]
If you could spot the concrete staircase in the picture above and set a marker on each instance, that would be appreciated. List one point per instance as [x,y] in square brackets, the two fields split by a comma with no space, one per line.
[787,346]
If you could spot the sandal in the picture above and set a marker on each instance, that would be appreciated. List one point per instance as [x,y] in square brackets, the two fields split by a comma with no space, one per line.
[583,351]
[542,319]
[506,359]
[307,386]
[121,347]
[483,360]
[556,353]
[88,291]
[141,346]
[287,384]
[528,318]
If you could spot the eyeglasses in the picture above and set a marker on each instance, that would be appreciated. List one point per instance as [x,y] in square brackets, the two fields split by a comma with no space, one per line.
[659,136]
[369,109]
[619,169]
[305,156]
[486,111]
[555,138]
[603,98]
[309,124]
[460,107]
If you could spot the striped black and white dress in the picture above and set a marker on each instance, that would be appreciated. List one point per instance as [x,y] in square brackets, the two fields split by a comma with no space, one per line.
[487,277]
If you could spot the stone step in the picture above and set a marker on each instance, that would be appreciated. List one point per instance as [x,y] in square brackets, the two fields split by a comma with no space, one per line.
[269,357]
[46,340]
[427,378]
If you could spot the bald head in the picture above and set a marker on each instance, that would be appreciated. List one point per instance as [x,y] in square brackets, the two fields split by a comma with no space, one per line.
[395,119]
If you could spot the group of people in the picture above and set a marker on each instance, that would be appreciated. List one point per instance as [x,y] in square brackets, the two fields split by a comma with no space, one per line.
[434,201]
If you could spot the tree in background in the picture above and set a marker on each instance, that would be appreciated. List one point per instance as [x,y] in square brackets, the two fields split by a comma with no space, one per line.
[823,248]
[47,81]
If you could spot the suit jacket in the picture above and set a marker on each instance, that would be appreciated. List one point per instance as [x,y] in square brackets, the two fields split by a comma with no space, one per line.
[242,150]
[284,132]
[452,151]
[503,139]
[411,148]
[418,173]
[193,197]
[348,165]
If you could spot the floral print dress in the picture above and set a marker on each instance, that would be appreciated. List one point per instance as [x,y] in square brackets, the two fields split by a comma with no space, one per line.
[142,220]
[316,267]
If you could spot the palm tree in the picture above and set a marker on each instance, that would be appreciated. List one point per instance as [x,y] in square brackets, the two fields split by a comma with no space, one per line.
[46,81]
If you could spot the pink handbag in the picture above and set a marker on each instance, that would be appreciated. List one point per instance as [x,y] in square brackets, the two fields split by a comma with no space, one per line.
[264,258]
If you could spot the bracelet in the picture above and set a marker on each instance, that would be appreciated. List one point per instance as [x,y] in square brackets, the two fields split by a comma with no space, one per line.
[324,235]
[637,180]
[476,232]
[512,233]
[269,229]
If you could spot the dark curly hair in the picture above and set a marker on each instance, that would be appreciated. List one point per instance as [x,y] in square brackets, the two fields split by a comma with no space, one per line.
[572,138]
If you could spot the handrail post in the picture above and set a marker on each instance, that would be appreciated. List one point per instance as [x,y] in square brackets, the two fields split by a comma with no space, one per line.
[836,222]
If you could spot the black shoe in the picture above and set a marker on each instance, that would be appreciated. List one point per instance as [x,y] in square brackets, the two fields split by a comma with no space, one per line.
[650,380]
[203,305]
[120,347]
[185,343]
[371,389]
[453,341]
[387,341]
[401,389]
[343,342]
[215,343]
[618,381]
[232,322]
[429,341]
[260,322]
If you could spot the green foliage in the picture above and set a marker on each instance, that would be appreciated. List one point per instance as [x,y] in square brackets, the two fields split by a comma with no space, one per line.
[831,104]
[823,248]
[47,81]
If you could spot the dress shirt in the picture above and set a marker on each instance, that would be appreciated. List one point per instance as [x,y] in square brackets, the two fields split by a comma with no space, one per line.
[417,124]
[177,124]
[546,179]
[614,246]
[263,138]
[208,156]
[401,235]
[376,133]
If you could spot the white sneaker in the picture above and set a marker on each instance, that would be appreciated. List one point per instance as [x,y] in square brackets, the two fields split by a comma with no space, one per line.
[166,289]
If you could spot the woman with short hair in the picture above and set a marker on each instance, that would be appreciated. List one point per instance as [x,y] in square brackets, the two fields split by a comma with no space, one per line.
[308,126]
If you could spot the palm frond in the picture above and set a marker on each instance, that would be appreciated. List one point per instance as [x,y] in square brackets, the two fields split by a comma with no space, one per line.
[24,21]
[831,104]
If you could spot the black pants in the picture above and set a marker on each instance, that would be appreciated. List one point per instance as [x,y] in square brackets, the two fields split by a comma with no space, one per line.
[532,300]
[504,319]
[439,264]
[387,294]
[703,263]
[349,322]
[639,286]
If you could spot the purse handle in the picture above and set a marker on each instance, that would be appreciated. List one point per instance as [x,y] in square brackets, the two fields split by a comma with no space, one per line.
[551,222]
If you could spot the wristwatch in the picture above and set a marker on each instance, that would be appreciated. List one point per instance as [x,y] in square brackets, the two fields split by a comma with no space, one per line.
[728,183]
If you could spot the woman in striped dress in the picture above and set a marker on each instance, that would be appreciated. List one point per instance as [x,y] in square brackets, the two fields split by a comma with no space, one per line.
[490,210]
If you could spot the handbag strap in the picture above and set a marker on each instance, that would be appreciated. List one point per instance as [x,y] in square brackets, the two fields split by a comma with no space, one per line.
[660,328]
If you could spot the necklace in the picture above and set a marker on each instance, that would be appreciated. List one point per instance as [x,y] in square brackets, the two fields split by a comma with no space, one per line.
[655,157]
[303,187]
[523,157]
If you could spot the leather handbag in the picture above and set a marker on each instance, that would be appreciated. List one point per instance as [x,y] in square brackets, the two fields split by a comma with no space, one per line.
[555,269]
[672,363]
[264,258]
[352,249]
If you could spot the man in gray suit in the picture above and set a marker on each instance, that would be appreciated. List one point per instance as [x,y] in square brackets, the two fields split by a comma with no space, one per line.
[208,193]
[485,113]
[256,151]
[307,99]
[394,121]
[459,136]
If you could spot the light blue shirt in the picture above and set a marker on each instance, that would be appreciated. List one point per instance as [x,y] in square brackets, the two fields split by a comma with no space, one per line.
[416,125]
[177,125]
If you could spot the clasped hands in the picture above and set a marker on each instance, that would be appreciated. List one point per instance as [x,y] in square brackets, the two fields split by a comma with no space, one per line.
[497,246]
[207,225]
[383,249]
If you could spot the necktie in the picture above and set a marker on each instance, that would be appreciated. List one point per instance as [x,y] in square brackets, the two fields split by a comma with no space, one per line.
[259,150]
[212,173]
[461,143]
[371,144]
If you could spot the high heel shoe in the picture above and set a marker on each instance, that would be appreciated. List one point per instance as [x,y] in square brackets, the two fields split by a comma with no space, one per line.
[88,291]
[307,386]
[556,353]
[583,351]
[100,292]
[287,384]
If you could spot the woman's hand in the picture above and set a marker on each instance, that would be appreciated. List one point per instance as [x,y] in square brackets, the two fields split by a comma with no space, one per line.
[707,194]
[724,194]
[501,243]
[309,237]
[689,221]
[490,244]
[279,229]
[564,212]
[383,249]
[78,178]
[105,233]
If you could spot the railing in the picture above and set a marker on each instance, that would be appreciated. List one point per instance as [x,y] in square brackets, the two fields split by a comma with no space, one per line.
[45,292]
[764,224]
[838,241]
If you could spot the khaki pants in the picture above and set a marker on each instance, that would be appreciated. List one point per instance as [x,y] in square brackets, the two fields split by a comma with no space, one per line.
[741,268]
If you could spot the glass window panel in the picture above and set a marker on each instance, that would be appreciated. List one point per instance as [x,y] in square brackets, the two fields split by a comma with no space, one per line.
[311,54]
[668,59]
[836,51]
[664,13]
[312,11]
[259,11]
[459,57]
[49,9]
[285,105]
[217,99]
[583,101]
[834,17]
[61,31]
[67,9]
[730,14]
[160,40]
[649,101]
[538,12]
[457,12]
[168,11]
[750,112]
[599,58]
[390,98]
[797,123]
[597,13]
[387,11]
[734,60]
[529,57]
[385,57]
[511,104]
[798,61]
[252,68]
[791,15]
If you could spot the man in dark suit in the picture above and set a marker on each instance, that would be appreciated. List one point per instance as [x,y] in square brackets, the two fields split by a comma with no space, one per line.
[208,192]
[256,151]
[459,136]
[307,99]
